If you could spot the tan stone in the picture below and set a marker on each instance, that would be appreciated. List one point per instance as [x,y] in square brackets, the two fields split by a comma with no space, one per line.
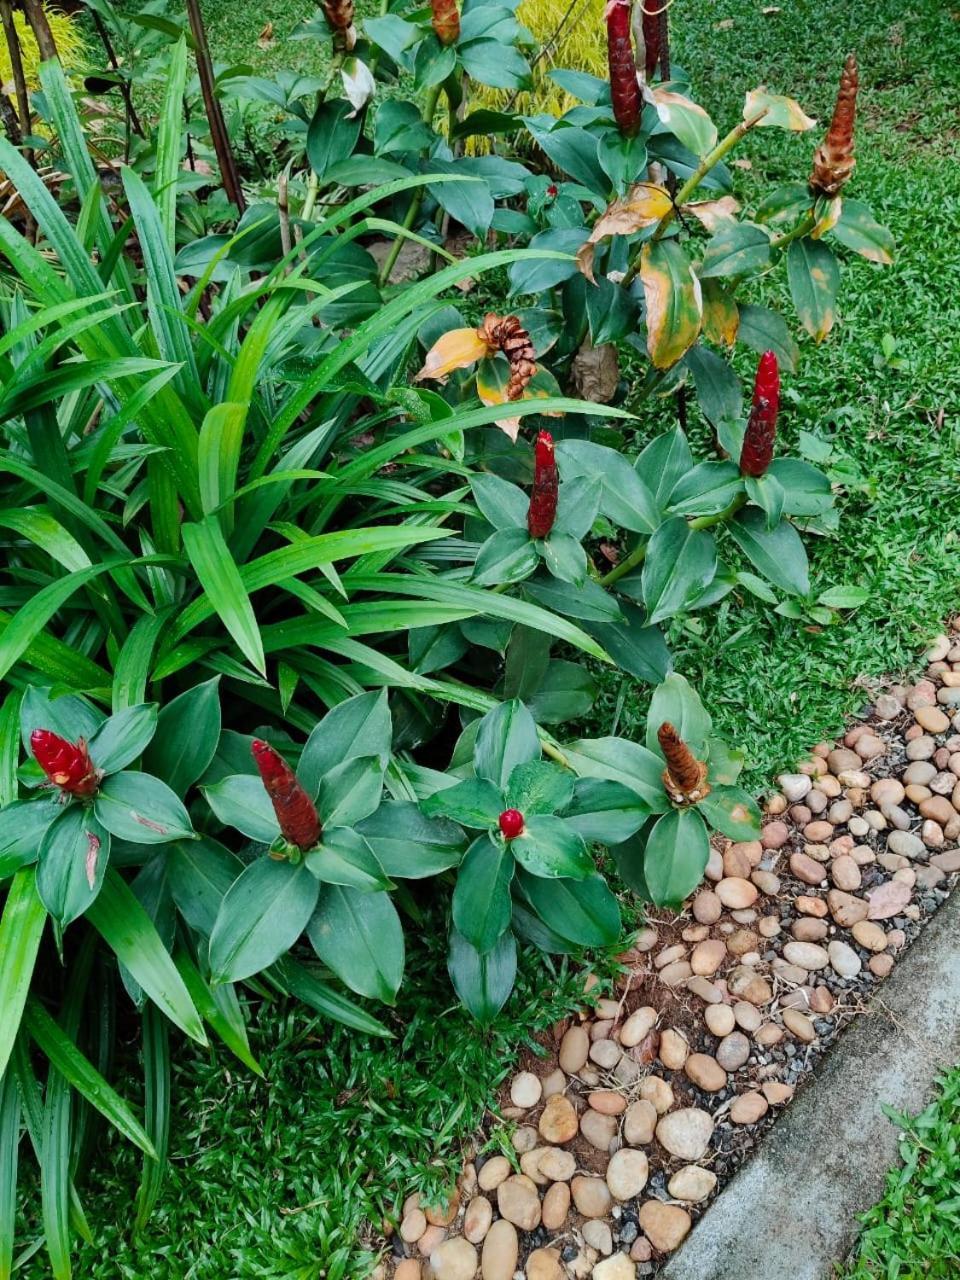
[477,1219]
[591,1196]
[799,1024]
[656,1090]
[501,1249]
[692,1183]
[454,1259]
[544,1264]
[558,1122]
[736,893]
[574,1048]
[673,1049]
[556,1206]
[748,1108]
[519,1202]
[664,1225]
[639,1122]
[639,1023]
[705,1072]
[708,956]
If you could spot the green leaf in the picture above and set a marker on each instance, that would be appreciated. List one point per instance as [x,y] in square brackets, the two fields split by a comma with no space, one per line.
[549,847]
[344,857]
[408,844]
[625,497]
[495,64]
[578,505]
[726,762]
[565,692]
[470,203]
[123,923]
[619,760]
[676,857]
[766,492]
[474,802]
[481,899]
[806,490]
[778,554]
[22,826]
[73,861]
[706,490]
[837,598]
[156,1104]
[509,555]
[732,812]
[589,602]
[717,386]
[505,505]
[764,330]
[583,911]
[604,811]
[188,730]
[21,927]
[858,230]
[575,151]
[9,1159]
[142,809]
[564,557]
[680,564]
[83,1076]
[302,983]
[332,135]
[678,703]
[359,937]
[359,726]
[635,647]
[736,250]
[241,801]
[538,787]
[483,981]
[674,301]
[262,915]
[123,737]
[220,578]
[813,274]
[506,736]
[351,791]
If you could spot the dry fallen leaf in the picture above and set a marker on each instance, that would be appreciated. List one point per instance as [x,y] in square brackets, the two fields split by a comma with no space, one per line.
[642,206]
[265,38]
[596,372]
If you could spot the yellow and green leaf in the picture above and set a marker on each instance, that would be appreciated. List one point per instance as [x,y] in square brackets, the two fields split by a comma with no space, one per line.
[674,301]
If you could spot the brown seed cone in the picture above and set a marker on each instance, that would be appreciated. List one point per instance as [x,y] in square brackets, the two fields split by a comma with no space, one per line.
[834,162]
[685,777]
[507,334]
[339,16]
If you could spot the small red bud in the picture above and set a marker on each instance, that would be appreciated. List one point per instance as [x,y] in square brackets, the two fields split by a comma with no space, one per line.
[546,488]
[511,824]
[295,811]
[624,85]
[757,451]
[66,764]
[552,190]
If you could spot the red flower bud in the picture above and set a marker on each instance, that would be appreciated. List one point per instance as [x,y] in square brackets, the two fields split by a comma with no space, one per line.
[546,485]
[834,162]
[66,764]
[295,811]
[653,22]
[511,824]
[446,20]
[757,452]
[624,86]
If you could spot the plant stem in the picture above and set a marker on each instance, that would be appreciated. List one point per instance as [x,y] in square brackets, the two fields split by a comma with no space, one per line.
[638,555]
[16,66]
[806,223]
[218,128]
[724,146]
[313,189]
[429,107]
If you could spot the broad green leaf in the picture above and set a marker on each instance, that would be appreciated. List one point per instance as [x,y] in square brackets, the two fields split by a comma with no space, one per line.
[732,812]
[344,857]
[625,496]
[481,899]
[679,566]
[686,120]
[262,915]
[537,786]
[199,873]
[73,861]
[781,112]
[550,848]
[188,730]
[220,1009]
[359,937]
[676,702]
[22,825]
[813,274]
[736,250]
[483,981]
[858,230]
[359,726]
[142,809]
[509,555]
[119,918]
[241,801]
[717,386]
[564,557]
[474,802]
[766,492]
[299,981]
[706,490]
[806,491]
[123,737]
[21,927]
[778,554]
[636,647]
[619,760]
[408,844]
[566,691]
[583,911]
[506,736]
[604,811]
[505,505]
[351,791]
[764,330]
[676,856]
[332,135]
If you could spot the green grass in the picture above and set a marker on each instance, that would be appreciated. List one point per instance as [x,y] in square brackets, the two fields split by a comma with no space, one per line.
[914,1231]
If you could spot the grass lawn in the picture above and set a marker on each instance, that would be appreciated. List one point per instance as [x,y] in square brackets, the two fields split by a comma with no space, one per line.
[274,1179]
[914,1231]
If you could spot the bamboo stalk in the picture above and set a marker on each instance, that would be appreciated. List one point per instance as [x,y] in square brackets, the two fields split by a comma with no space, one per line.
[41,29]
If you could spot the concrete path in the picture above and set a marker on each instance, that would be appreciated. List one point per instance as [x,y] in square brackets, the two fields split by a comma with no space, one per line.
[791,1211]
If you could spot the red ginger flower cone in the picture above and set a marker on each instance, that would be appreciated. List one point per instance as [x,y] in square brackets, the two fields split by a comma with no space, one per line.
[296,812]
[624,85]
[446,20]
[834,162]
[653,20]
[546,488]
[685,777]
[66,764]
[757,452]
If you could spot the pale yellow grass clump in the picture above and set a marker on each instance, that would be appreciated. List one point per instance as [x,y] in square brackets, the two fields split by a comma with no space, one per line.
[67,36]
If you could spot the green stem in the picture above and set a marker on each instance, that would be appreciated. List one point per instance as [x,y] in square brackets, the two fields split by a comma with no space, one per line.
[707,522]
[638,554]
[714,157]
[429,108]
[806,223]
[313,188]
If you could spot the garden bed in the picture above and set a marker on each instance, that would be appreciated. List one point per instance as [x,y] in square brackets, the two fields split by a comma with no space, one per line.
[622,1133]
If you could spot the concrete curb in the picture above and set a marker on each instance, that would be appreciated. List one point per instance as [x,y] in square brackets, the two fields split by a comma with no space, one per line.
[791,1211]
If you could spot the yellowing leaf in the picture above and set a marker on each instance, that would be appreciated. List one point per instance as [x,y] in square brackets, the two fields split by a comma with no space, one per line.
[782,113]
[455,350]
[828,215]
[712,213]
[642,206]
[674,301]
[721,315]
[492,378]
[686,120]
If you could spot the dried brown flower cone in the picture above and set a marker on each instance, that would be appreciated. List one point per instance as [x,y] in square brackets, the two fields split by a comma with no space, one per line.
[685,777]
[507,334]
[834,162]
[339,16]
